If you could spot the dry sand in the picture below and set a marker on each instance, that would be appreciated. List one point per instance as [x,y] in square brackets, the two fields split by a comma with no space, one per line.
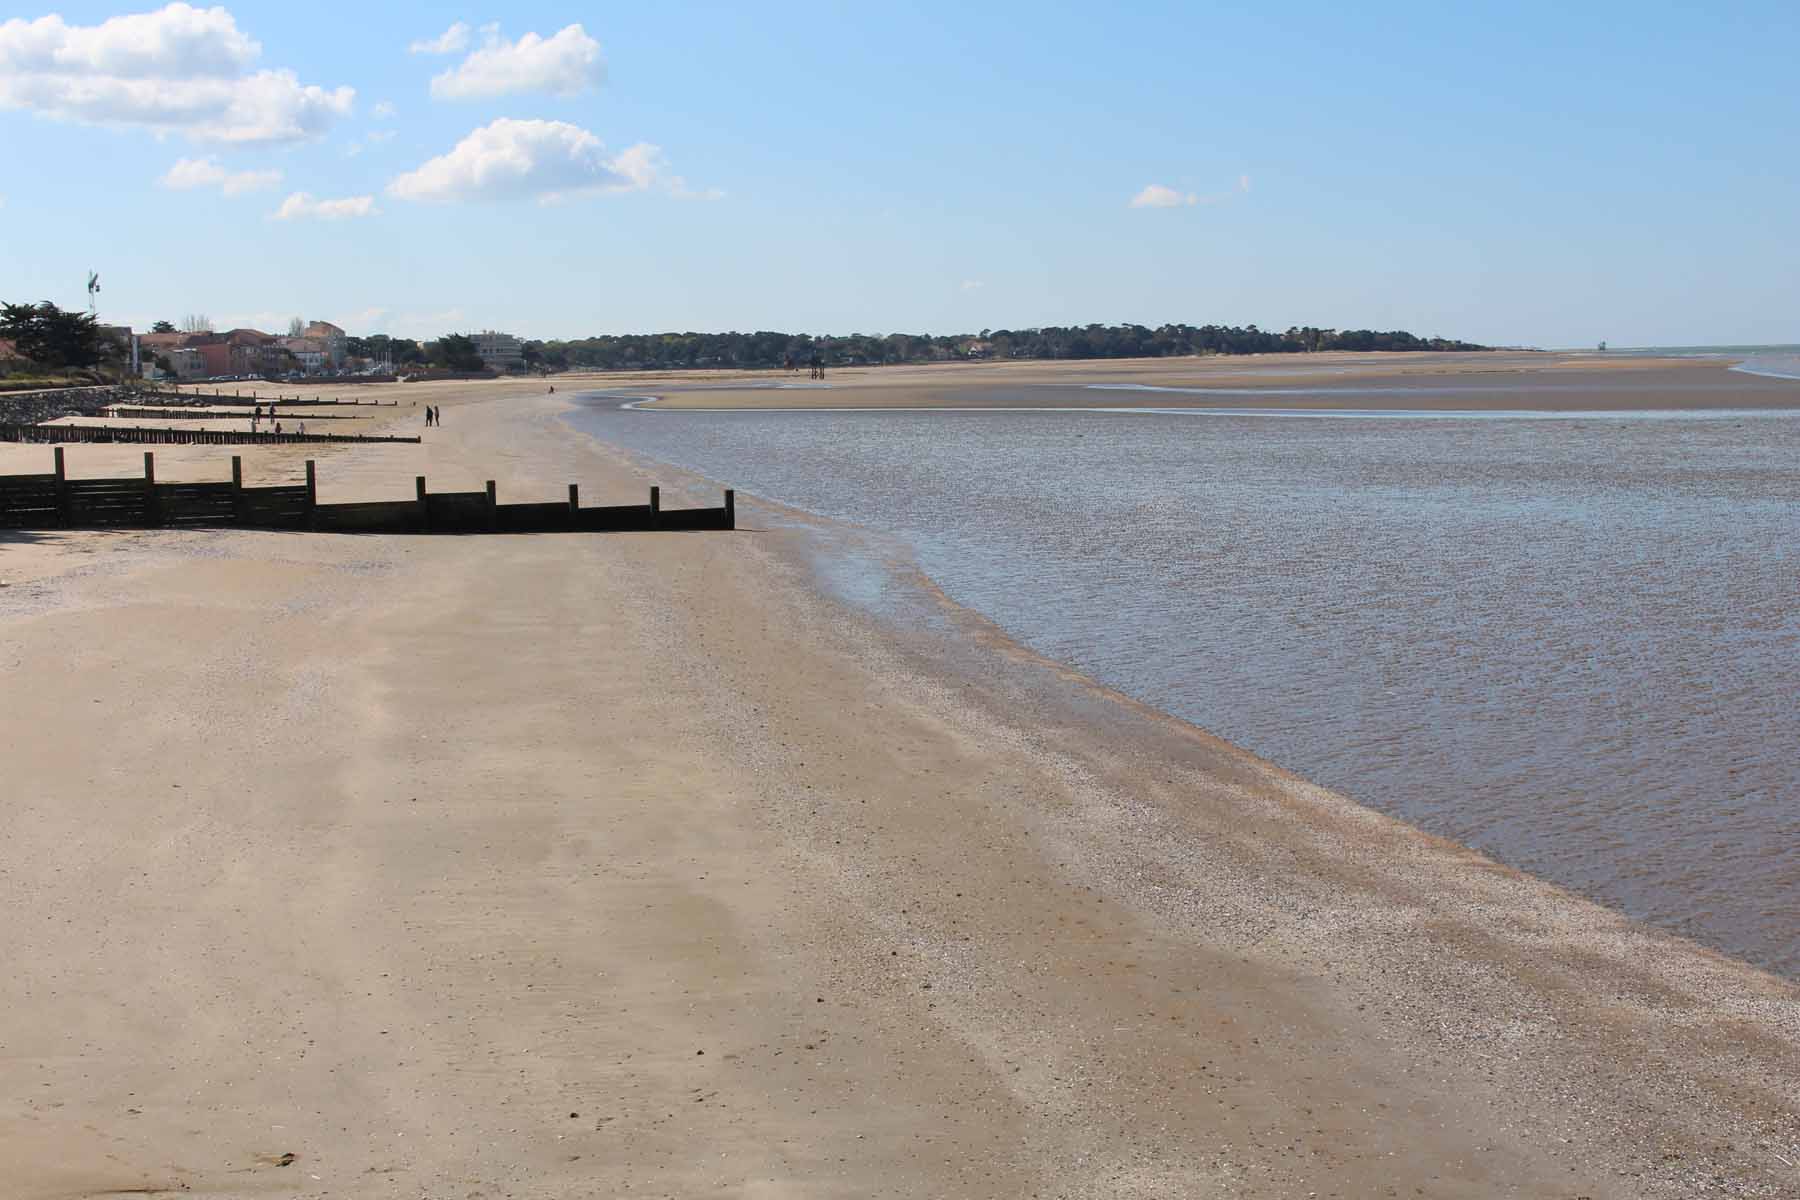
[583,865]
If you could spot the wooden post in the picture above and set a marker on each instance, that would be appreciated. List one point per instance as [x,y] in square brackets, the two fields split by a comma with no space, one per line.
[655,507]
[424,508]
[312,494]
[237,488]
[730,509]
[62,489]
[493,507]
[574,498]
[152,510]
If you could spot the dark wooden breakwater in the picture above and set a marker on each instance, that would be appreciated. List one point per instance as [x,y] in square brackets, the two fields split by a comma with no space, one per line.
[54,501]
[126,412]
[198,397]
[137,435]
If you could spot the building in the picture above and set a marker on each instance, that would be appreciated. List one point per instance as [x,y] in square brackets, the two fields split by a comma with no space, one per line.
[499,351]
[239,352]
[185,362]
[167,346]
[313,354]
[254,352]
[333,341]
[125,344]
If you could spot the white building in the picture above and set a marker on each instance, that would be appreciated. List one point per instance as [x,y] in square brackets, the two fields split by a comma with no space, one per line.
[499,351]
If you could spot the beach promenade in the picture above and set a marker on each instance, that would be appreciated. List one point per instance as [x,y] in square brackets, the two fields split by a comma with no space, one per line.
[575,865]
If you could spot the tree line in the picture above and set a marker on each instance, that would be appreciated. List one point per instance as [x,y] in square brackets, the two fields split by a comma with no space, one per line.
[58,338]
[770,349]
[52,337]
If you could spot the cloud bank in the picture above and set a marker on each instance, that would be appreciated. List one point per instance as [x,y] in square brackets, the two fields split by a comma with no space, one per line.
[1158,196]
[564,64]
[176,70]
[190,173]
[451,41]
[303,206]
[539,160]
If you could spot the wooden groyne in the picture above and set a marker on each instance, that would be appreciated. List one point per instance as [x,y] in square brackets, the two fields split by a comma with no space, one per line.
[265,401]
[54,501]
[138,435]
[171,413]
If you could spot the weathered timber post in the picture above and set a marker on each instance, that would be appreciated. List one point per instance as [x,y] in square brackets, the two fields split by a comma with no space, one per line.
[655,507]
[424,508]
[62,490]
[493,507]
[574,499]
[312,495]
[730,509]
[237,488]
[152,510]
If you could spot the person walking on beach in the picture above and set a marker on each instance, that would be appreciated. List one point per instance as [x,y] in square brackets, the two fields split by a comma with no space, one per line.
[428,416]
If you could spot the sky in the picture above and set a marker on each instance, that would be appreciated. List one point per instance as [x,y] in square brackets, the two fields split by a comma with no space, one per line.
[1521,174]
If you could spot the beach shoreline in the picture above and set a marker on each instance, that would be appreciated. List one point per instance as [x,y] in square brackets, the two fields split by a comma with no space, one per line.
[1426,383]
[779,899]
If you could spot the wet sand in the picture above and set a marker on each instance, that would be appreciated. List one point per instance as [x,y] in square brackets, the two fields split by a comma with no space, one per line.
[576,865]
[1499,381]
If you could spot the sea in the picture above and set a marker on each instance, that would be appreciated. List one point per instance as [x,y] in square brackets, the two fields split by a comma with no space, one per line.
[1570,641]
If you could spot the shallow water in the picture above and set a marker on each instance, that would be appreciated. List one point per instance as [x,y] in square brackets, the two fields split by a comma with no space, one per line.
[1573,644]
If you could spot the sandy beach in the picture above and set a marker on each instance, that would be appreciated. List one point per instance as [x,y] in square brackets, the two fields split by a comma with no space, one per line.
[1494,381]
[598,865]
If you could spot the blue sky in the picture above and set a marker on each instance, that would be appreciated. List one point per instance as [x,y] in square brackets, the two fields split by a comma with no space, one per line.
[1521,174]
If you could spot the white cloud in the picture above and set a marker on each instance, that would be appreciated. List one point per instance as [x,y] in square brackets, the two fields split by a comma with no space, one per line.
[1158,196]
[972,285]
[542,160]
[374,137]
[176,70]
[302,205]
[563,64]
[189,173]
[382,111]
[369,320]
[452,41]
[1243,183]
[255,320]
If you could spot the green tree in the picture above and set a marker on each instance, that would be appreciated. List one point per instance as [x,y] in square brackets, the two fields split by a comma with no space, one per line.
[455,351]
[163,327]
[51,336]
